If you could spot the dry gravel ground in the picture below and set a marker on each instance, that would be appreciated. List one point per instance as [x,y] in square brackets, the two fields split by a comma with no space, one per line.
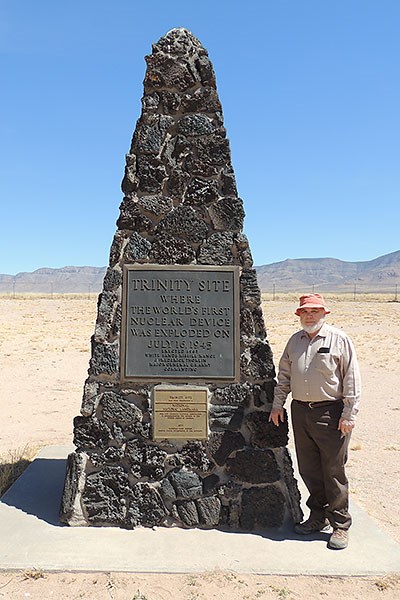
[204,586]
[44,353]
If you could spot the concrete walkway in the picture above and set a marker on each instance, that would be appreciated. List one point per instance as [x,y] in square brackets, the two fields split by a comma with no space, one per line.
[31,537]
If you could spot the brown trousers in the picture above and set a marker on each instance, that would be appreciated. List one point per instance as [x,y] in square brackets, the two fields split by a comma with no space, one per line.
[321,451]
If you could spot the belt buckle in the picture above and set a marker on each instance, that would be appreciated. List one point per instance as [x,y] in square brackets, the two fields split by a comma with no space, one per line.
[310,404]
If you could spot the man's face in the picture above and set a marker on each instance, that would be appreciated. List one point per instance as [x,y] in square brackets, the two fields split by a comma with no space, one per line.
[312,319]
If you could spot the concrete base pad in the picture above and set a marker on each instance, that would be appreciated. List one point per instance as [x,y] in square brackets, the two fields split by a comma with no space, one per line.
[33,538]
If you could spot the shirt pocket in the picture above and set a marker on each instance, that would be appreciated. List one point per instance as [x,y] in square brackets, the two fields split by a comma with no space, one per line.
[325,363]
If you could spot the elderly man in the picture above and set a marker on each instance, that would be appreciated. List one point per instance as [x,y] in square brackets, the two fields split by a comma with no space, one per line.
[319,367]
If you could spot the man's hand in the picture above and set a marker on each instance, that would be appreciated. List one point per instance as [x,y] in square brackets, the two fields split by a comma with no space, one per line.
[346,426]
[276,415]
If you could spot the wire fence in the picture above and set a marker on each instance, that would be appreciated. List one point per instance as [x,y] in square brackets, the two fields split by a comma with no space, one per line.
[355,291]
[50,289]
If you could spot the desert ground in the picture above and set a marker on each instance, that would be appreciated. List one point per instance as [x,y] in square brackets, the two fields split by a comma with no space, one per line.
[44,353]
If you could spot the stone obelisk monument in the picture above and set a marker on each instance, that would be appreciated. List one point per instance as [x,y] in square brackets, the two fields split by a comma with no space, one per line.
[174,421]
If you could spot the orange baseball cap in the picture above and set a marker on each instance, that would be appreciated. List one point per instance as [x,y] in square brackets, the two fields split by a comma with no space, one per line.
[312,301]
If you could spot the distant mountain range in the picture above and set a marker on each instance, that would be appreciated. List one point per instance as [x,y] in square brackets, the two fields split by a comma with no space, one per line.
[292,275]
[67,280]
[330,274]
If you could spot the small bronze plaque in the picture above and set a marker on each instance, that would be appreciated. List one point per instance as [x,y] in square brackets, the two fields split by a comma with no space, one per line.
[180,323]
[180,413]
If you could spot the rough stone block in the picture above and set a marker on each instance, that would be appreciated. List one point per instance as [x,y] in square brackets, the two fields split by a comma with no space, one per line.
[116,324]
[156,205]
[106,308]
[201,191]
[112,280]
[183,222]
[206,71]
[131,218]
[170,102]
[177,183]
[223,444]
[203,99]
[264,434]
[247,328]
[211,483]
[229,184]
[145,507]
[137,249]
[111,456]
[253,466]
[105,358]
[150,174]
[117,247]
[145,460]
[138,428]
[208,509]
[236,394]
[227,214]
[114,407]
[178,43]
[151,102]
[230,491]
[257,364]
[130,181]
[194,456]
[291,486]
[217,250]
[187,512]
[76,462]
[90,432]
[186,484]
[214,149]
[90,398]
[165,71]
[226,417]
[167,491]
[149,135]
[103,496]
[250,292]
[167,249]
[196,124]
[198,167]
[259,324]
[262,508]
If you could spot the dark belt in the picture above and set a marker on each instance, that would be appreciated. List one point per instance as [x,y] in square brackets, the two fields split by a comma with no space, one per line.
[321,404]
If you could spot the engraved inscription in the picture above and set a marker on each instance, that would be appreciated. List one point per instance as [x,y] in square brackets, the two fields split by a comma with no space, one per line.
[180,414]
[180,323]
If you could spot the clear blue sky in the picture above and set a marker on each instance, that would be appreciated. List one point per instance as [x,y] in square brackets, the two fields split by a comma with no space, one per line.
[311,97]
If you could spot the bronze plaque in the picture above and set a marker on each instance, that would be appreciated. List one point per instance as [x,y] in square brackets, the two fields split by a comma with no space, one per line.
[180,413]
[180,323]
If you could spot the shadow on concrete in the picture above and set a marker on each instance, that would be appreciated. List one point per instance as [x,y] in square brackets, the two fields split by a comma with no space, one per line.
[38,490]
[287,534]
